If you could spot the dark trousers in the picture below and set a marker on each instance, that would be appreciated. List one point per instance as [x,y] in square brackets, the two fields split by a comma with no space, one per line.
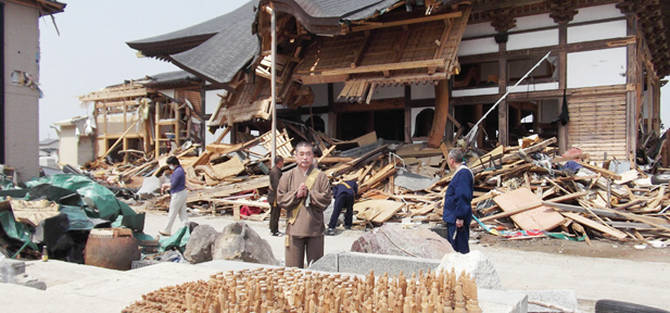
[274,218]
[458,237]
[299,246]
[342,201]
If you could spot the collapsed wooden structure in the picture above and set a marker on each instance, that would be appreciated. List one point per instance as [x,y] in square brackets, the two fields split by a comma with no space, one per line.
[147,117]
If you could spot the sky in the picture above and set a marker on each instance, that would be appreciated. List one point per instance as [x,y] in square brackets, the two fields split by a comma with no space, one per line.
[90,52]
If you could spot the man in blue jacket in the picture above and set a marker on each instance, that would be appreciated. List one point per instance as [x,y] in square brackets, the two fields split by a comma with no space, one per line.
[457,211]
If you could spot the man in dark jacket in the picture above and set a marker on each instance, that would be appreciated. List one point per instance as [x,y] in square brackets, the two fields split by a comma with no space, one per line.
[344,194]
[275,175]
[457,211]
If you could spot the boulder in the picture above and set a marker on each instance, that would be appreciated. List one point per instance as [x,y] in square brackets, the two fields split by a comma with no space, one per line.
[199,246]
[474,263]
[239,242]
[395,239]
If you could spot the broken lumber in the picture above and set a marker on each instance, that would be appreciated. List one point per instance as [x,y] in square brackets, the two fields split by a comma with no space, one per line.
[595,225]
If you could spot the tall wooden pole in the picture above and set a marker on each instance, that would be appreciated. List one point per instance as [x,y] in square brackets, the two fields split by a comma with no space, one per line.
[273,25]
[503,108]
[441,113]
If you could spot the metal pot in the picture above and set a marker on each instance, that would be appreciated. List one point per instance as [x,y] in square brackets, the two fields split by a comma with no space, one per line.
[113,248]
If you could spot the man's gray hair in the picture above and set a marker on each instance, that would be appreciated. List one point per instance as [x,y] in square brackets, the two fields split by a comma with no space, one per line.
[457,155]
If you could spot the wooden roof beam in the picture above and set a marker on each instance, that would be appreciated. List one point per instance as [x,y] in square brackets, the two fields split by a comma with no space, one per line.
[424,19]
[438,63]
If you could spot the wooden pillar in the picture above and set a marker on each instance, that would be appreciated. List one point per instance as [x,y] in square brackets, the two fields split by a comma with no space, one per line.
[450,128]
[125,138]
[563,140]
[104,138]
[441,113]
[631,96]
[233,133]
[177,126]
[503,106]
[408,114]
[157,135]
[332,115]
[502,21]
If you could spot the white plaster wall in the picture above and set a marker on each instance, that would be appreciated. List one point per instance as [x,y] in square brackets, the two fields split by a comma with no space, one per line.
[533,21]
[533,39]
[477,46]
[475,92]
[479,29]
[320,95]
[534,87]
[596,13]
[167,92]
[597,31]
[67,149]
[212,99]
[415,112]
[597,68]
[21,46]
[423,91]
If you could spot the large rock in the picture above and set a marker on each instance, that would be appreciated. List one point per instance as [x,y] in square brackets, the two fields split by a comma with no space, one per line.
[199,246]
[474,263]
[239,242]
[395,239]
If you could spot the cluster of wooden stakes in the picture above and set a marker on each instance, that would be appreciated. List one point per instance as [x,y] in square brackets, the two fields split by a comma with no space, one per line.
[292,290]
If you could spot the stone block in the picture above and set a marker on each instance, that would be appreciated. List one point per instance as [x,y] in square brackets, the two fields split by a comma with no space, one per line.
[396,239]
[199,246]
[474,263]
[239,242]
[552,300]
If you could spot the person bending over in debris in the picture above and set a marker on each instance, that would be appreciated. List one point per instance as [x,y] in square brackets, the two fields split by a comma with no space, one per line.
[304,192]
[344,194]
[178,194]
[457,211]
[275,175]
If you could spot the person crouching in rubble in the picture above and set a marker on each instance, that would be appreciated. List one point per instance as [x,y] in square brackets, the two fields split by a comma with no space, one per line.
[178,193]
[304,192]
[457,211]
[344,193]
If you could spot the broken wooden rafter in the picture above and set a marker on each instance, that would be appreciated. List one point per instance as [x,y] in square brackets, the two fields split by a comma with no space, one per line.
[425,19]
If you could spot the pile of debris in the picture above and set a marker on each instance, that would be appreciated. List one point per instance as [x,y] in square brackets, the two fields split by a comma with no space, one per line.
[520,192]
[532,189]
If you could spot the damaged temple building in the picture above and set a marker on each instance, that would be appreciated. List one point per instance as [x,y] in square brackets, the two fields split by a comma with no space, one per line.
[424,73]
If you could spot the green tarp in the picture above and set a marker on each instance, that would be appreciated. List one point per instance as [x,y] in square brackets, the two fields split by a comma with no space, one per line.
[178,240]
[81,199]
[100,201]
[15,230]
